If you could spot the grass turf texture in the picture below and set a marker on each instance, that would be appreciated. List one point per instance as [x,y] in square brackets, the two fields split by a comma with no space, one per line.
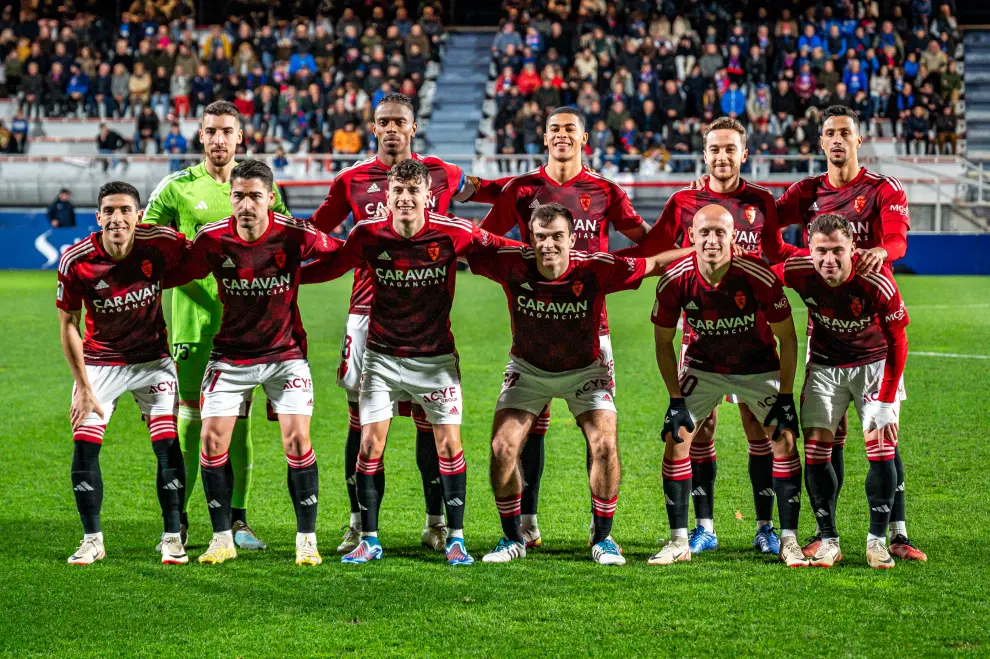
[556,601]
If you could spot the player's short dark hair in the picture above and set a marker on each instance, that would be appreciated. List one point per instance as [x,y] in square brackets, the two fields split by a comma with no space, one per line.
[840,111]
[118,187]
[547,213]
[398,99]
[254,169]
[828,224]
[726,123]
[409,170]
[223,109]
[567,109]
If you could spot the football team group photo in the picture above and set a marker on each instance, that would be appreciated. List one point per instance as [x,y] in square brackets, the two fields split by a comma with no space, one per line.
[616,257]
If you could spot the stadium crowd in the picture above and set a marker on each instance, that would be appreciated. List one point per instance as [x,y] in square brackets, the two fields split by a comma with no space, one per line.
[310,82]
[649,75]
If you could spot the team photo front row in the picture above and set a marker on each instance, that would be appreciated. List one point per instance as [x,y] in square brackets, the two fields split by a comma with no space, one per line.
[739,341]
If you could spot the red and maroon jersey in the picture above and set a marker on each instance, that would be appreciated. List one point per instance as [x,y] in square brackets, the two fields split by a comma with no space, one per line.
[413,280]
[730,320]
[750,205]
[258,284]
[360,190]
[854,321]
[124,321]
[555,323]
[874,205]
[595,202]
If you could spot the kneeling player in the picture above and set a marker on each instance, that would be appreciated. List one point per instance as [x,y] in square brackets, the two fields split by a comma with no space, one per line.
[735,307]
[858,351]
[556,297]
[118,274]
[411,255]
[255,256]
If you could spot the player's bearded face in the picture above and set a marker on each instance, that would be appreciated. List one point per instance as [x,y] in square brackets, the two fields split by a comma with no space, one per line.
[394,128]
[118,216]
[250,199]
[565,137]
[553,242]
[724,154]
[840,140]
[220,136]
[407,199]
[832,256]
[713,239]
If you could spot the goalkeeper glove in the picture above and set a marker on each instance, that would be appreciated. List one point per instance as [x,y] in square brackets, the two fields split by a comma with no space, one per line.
[783,415]
[677,417]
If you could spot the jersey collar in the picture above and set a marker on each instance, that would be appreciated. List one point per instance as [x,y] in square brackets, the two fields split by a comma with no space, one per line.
[856,179]
[569,182]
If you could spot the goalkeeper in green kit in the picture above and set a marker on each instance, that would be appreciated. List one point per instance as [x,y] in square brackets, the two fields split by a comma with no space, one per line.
[186,200]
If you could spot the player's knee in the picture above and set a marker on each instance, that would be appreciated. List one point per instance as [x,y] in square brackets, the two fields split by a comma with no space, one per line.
[213,441]
[706,431]
[605,449]
[784,445]
[504,451]
[295,441]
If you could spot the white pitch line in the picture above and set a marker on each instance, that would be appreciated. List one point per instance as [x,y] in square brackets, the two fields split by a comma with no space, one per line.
[951,355]
[947,306]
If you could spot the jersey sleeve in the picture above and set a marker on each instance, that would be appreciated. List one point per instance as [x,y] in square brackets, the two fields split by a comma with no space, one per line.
[161,207]
[662,236]
[486,191]
[455,178]
[334,209]
[486,261]
[667,306]
[623,274]
[503,215]
[279,204]
[621,213]
[318,245]
[484,240]
[340,261]
[771,237]
[894,219]
[769,292]
[893,318]
[68,296]
[194,262]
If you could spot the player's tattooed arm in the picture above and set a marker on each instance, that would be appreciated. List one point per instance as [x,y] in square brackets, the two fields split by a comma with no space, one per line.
[84,402]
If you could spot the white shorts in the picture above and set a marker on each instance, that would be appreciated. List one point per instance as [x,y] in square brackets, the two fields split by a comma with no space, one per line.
[828,390]
[153,385]
[703,391]
[227,388]
[531,389]
[432,382]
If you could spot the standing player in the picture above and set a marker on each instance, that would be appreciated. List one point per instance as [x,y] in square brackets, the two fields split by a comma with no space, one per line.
[117,273]
[877,210]
[751,206]
[360,191]
[556,298]
[735,307]
[187,200]
[411,255]
[858,351]
[256,256]
[596,204]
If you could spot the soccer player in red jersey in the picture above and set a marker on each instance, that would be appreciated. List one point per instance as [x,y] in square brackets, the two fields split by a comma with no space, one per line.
[360,191]
[118,273]
[735,307]
[411,255]
[858,352]
[556,299]
[877,209]
[751,207]
[256,256]
[596,204]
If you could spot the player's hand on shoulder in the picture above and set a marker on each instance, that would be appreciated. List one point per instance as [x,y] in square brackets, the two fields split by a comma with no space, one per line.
[84,403]
[783,416]
[738,250]
[870,260]
[677,417]
[699,183]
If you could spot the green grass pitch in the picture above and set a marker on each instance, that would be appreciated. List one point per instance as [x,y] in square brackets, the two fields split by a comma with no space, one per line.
[556,602]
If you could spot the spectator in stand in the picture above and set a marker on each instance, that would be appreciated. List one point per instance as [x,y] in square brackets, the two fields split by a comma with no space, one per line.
[280,163]
[779,165]
[952,83]
[758,106]
[100,100]
[711,61]
[175,143]
[945,130]
[528,80]
[916,130]
[31,91]
[733,102]
[855,78]
[55,85]
[347,140]
[139,87]
[161,84]
[202,89]
[76,90]
[180,87]
[509,144]
[148,126]
[506,37]
[18,132]
[120,89]
[61,212]
[6,138]
[671,102]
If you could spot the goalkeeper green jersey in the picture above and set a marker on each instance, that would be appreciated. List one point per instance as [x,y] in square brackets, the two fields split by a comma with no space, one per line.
[186,200]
